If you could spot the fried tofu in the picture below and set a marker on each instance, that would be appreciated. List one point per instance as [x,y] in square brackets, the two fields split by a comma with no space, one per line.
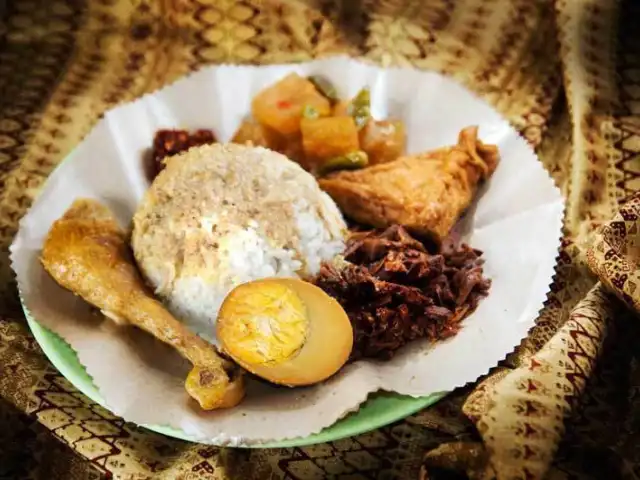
[426,193]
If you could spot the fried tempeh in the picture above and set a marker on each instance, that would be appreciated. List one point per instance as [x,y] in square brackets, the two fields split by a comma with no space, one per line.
[426,193]
[87,253]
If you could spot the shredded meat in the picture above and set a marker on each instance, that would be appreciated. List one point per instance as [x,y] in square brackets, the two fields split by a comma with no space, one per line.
[171,142]
[395,291]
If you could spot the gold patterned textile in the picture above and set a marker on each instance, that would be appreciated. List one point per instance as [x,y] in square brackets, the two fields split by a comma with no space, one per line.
[565,404]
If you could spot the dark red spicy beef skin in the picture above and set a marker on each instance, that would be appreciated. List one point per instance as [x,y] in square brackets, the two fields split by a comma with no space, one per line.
[395,291]
[171,142]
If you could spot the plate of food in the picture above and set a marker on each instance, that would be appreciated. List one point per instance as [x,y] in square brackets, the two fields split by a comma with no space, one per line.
[288,254]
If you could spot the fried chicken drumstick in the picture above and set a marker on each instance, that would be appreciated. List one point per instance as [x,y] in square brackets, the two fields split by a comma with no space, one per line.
[87,253]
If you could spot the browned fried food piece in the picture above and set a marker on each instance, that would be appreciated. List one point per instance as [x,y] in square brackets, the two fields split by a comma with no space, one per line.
[394,291]
[252,133]
[426,193]
[171,142]
[87,252]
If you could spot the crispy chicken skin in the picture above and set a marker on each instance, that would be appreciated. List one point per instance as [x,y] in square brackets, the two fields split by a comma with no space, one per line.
[87,253]
[426,193]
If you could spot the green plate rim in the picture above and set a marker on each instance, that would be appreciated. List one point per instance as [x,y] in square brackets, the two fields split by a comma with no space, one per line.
[380,409]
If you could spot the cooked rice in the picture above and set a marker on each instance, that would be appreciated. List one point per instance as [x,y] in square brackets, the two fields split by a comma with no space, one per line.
[219,216]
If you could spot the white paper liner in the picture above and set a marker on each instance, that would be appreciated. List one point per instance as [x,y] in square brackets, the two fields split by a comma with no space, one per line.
[516,222]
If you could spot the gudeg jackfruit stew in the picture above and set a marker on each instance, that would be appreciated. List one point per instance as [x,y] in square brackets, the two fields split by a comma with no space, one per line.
[312,226]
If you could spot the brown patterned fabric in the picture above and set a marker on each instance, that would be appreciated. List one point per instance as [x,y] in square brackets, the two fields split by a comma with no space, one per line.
[565,404]
[614,253]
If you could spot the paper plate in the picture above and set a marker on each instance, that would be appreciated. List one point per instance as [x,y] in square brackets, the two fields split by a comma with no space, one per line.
[380,410]
[516,221]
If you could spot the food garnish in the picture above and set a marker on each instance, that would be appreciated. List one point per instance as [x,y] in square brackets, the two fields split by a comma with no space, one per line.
[395,291]
[325,87]
[310,113]
[286,331]
[348,161]
[87,253]
[360,107]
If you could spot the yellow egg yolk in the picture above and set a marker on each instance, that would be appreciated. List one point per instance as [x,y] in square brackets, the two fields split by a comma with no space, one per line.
[268,324]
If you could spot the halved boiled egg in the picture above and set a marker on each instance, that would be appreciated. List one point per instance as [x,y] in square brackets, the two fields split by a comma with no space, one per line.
[285,330]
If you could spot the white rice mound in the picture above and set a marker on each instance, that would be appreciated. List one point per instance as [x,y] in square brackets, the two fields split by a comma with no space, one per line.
[221,215]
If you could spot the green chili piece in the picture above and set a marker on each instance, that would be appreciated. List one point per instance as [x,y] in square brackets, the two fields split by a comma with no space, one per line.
[360,107]
[348,161]
[310,112]
[325,87]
